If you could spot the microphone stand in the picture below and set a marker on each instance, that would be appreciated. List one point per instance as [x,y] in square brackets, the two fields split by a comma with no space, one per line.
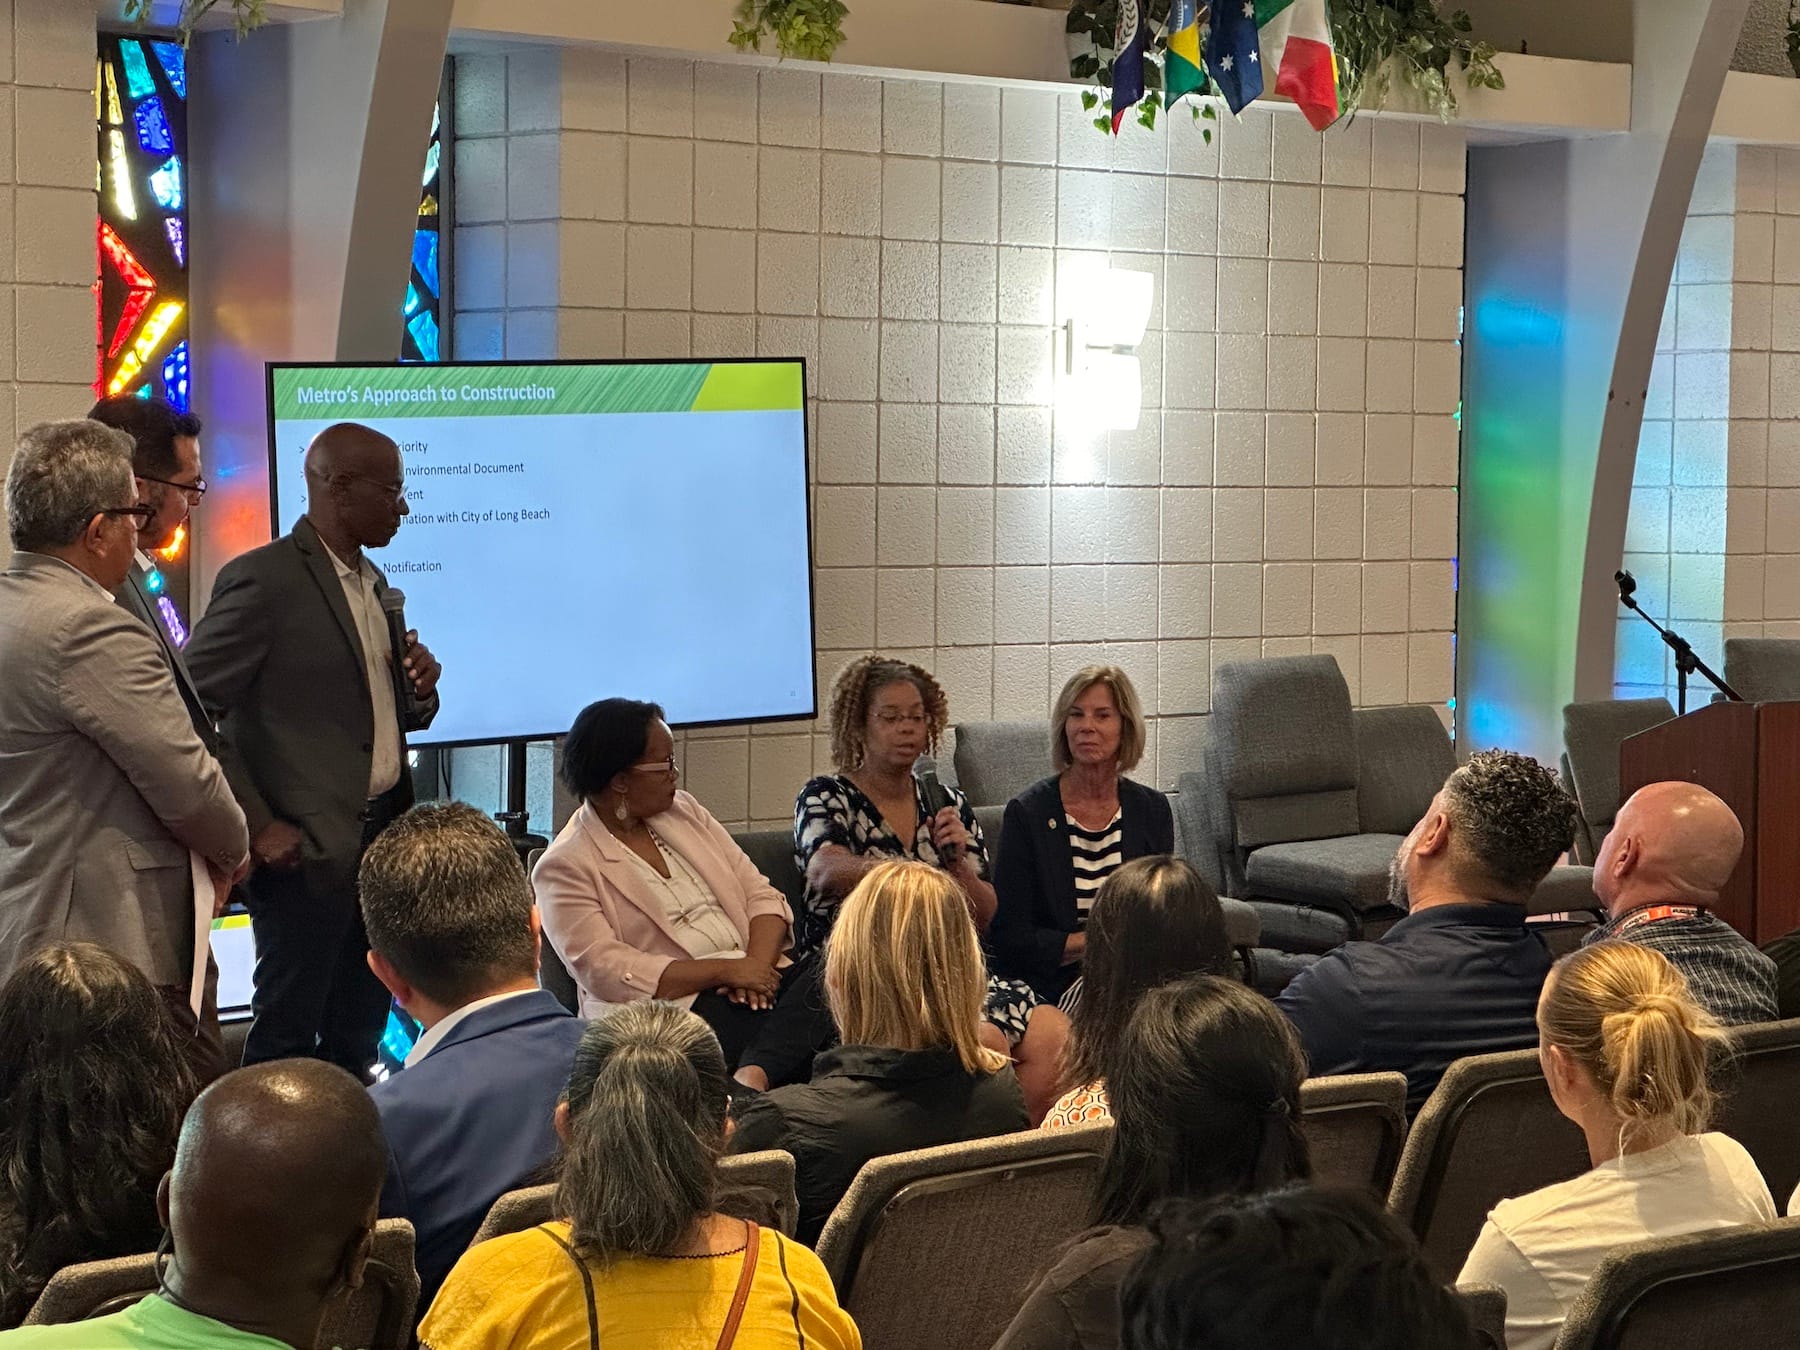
[1686,662]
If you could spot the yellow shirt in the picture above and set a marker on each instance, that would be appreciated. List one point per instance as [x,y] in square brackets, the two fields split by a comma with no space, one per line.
[522,1292]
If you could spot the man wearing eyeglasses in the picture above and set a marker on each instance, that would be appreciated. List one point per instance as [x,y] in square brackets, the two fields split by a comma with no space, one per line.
[165,459]
[294,660]
[106,791]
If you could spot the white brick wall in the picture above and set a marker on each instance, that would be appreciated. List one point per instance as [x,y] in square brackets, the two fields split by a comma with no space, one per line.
[46,212]
[1291,483]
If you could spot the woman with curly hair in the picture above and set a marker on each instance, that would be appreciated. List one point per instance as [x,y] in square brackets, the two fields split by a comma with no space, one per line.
[92,1091]
[885,715]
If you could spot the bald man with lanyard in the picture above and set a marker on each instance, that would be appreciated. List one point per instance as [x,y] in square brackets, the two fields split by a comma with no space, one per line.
[294,661]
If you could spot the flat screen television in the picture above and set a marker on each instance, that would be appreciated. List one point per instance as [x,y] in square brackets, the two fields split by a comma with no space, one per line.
[584,529]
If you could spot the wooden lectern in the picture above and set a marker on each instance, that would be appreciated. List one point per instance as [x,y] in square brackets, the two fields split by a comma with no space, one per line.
[1749,754]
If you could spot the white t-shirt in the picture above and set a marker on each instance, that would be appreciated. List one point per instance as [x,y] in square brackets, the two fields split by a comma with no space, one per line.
[1542,1247]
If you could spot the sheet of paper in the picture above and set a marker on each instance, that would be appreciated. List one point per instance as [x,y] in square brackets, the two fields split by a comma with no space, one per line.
[203,908]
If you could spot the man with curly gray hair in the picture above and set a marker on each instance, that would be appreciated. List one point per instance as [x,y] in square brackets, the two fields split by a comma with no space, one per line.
[1461,973]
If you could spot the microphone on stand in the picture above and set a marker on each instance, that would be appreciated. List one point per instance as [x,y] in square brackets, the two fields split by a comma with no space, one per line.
[393,608]
[936,795]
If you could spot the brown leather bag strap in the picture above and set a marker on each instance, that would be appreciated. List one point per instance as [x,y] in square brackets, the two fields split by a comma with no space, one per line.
[746,1277]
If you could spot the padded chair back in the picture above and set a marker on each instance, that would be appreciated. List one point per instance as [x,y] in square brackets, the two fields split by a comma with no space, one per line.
[379,1315]
[990,819]
[773,853]
[1489,1132]
[1592,733]
[1486,1306]
[1758,1094]
[771,1170]
[996,761]
[1727,1289]
[1403,756]
[1284,749]
[1354,1125]
[914,1225]
[1763,669]
[1201,834]
[552,973]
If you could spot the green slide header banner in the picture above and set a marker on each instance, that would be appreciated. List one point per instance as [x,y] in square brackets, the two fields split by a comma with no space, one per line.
[349,393]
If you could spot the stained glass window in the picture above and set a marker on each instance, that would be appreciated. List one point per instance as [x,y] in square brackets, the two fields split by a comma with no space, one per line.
[422,333]
[141,291]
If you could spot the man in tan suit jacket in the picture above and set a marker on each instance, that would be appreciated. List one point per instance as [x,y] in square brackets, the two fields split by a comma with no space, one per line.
[104,785]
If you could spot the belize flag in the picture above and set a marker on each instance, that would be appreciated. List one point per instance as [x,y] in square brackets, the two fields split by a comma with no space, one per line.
[1130,39]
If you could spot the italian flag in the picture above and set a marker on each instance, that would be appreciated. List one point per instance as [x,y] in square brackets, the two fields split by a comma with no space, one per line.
[1295,40]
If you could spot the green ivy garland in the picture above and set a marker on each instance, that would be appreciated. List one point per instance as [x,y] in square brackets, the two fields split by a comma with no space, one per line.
[807,30]
[245,14]
[1793,35]
[1421,41]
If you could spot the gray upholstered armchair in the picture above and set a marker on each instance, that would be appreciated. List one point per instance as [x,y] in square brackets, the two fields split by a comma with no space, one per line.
[1763,670]
[1592,733]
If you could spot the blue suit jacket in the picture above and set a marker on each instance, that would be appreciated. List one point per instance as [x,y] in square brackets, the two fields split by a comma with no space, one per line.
[473,1120]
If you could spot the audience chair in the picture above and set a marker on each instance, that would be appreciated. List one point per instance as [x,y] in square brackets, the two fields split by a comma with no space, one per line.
[1758,1094]
[1486,1306]
[379,1315]
[1354,1126]
[1729,1289]
[1403,756]
[552,973]
[1488,1132]
[771,1170]
[982,1218]
[1763,670]
[996,761]
[1592,733]
[990,818]
[773,853]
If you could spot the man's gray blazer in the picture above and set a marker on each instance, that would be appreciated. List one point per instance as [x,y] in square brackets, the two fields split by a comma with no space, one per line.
[277,659]
[104,786]
[135,596]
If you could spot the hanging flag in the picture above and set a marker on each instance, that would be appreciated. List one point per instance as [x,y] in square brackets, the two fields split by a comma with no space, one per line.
[1130,39]
[1181,68]
[1232,55]
[1295,37]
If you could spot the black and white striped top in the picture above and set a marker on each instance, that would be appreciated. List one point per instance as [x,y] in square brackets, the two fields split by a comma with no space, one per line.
[1097,854]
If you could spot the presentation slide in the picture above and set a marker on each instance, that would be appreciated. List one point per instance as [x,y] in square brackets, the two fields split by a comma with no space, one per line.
[583,530]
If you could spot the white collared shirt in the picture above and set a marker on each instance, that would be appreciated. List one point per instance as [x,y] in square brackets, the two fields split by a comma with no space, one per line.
[435,1037]
[371,629]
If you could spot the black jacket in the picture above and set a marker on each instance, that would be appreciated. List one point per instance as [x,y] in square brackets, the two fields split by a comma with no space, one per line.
[1034,877]
[865,1102]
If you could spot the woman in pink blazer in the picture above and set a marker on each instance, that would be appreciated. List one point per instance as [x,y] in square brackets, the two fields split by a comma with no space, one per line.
[644,895]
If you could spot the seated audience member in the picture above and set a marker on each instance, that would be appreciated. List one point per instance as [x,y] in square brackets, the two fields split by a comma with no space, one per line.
[1460,974]
[1206,1087]
[270,1212]
[1670,852]
[1156,920]
[1328,1270]
[645,895]
[1068,833]
[454,936]
[885,715]
[1626,1052]
[640,1255]
[905,981]
[92,1087]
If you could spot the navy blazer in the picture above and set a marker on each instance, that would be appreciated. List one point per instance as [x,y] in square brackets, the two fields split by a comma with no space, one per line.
[473,1120]
[1034,877]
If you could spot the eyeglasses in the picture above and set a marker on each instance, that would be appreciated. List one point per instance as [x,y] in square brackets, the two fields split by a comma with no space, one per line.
[141,513]
[888,718]
[397,491]
[194,490]
[662,766]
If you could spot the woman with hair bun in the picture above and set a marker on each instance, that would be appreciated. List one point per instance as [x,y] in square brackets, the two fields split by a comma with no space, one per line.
[1627,1054]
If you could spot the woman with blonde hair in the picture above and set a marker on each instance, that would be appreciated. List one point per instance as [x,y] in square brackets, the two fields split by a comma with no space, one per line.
[906,983]
[1068,833]
[1628,1056]
[886,716]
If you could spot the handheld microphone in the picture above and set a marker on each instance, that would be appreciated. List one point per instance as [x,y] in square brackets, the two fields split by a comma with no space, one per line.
[936,795]
[393,608]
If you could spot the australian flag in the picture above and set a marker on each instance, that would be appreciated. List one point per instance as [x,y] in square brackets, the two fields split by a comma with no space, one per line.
[1232,54]
[1130,39]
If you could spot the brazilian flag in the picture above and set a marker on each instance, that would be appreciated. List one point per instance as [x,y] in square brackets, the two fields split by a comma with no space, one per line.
[1182,71]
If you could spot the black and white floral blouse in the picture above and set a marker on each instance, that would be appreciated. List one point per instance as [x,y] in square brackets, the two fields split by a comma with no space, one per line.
[833,810]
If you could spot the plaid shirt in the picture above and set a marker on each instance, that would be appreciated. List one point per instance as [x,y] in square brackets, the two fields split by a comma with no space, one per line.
[1726,974]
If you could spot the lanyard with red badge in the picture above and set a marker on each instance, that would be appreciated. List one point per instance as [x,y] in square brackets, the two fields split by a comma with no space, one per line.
[1651,913]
